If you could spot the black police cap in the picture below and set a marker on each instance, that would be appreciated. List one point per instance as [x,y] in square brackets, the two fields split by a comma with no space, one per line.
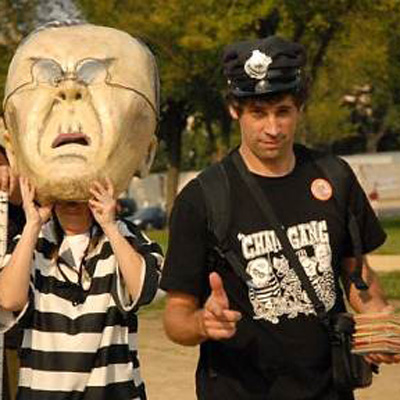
[263,66]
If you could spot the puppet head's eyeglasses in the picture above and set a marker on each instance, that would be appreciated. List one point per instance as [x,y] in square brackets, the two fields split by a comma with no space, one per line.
[86,72]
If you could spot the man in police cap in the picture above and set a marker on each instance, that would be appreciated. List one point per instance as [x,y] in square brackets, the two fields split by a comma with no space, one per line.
[262,339]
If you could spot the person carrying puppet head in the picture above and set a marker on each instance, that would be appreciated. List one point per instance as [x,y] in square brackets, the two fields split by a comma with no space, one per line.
[81,110]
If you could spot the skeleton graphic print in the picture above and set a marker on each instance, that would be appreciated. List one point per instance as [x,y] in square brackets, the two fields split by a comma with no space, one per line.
[276,290]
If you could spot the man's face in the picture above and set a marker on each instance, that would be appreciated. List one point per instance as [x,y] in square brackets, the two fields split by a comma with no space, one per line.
[80,105]
[268,129]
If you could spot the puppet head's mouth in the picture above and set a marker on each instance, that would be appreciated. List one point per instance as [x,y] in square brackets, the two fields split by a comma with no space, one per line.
[71,138]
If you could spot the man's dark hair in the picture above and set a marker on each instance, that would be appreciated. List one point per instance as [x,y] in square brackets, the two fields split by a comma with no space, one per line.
[240,103]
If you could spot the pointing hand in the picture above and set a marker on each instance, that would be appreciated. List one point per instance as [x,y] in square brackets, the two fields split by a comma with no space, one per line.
[217,321]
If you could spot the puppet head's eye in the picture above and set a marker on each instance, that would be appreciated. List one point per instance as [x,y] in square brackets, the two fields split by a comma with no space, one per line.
[47,71]
[92,71]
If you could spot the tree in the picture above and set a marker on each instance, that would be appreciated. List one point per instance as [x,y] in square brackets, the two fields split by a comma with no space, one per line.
[16,19]
[356,60]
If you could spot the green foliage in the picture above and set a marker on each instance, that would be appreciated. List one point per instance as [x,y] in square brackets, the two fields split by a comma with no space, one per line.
[195,148]
[187,37]
[5,58]
[355,59]
[325,119]
[16,20]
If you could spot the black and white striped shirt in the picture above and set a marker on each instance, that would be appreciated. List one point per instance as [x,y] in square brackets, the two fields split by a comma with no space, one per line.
[84,351]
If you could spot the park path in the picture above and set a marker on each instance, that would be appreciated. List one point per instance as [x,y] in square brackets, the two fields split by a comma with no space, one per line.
[386,385]
[384,263]
[168,369]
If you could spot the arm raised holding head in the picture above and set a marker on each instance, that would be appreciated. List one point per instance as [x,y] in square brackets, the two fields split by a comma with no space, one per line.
[131,263]
[15,276]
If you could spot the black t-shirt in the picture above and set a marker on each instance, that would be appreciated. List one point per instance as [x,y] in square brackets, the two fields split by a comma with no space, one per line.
[288,357]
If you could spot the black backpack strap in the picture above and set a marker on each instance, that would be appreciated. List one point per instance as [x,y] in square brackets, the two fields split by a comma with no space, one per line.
[269,214]
[334,169]
[216,190]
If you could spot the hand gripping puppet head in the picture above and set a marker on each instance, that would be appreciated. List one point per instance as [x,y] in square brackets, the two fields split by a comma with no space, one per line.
[81,103]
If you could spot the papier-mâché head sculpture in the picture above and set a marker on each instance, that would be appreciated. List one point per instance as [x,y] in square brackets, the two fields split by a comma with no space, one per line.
[81,103]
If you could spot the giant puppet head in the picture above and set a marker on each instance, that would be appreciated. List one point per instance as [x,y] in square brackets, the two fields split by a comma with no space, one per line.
[81,103]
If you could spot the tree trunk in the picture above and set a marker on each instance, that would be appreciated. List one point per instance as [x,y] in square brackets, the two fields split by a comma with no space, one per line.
[174,158]
[373,137]
[172,187]
[173,124]
[212,140]
[269,24]
[373,141]
[226,127]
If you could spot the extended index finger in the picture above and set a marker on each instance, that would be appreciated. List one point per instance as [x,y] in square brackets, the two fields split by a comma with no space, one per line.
[109,186]
[26,191]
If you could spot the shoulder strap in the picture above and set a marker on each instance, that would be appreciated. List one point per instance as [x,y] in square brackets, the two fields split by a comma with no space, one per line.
[216,190]
[333,169]
[270,216]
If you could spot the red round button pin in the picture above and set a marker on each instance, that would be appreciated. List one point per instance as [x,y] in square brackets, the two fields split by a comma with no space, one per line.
[321,189]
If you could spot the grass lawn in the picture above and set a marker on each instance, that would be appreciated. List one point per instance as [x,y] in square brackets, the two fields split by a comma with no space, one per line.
[159,236]
[392,228]
[391,284]
[391,280]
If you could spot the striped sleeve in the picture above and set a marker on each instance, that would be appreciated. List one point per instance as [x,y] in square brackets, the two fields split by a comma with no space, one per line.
[152,259]
[8,319]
